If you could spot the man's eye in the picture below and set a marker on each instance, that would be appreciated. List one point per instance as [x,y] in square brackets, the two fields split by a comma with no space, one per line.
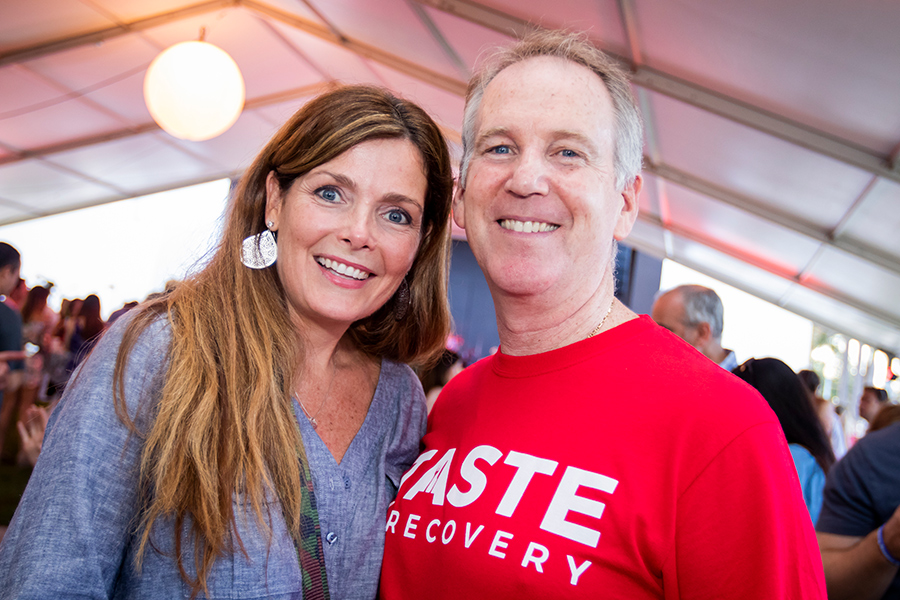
[328,194]
[400,217]
[566,153]
[501,149]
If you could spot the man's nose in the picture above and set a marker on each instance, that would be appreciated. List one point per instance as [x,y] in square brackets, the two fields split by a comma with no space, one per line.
[529,175]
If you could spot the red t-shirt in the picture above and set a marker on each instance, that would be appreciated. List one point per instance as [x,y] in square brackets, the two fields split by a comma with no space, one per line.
[623,466]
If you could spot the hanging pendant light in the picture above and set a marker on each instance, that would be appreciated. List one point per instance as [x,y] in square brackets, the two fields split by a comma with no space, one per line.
[194,90]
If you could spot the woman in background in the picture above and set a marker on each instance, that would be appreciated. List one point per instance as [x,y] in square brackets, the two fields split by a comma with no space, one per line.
[810,447]
[219,434]
[88,327]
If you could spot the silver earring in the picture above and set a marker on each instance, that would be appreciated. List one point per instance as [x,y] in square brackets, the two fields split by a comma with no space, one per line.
[259,251]
[401,301]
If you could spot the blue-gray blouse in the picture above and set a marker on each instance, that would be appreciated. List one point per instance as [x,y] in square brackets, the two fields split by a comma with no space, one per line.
[74,532]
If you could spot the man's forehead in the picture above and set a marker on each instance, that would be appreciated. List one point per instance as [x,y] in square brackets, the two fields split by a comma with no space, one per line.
[572,97]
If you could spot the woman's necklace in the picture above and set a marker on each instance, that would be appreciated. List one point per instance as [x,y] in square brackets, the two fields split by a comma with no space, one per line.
[312,417]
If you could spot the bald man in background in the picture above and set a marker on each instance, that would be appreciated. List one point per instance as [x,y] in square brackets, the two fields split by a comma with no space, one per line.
[695,314]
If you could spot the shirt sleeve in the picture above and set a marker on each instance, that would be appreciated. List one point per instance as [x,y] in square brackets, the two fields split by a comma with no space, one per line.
[73,524]
[743,531]
[410,426]
[847,507]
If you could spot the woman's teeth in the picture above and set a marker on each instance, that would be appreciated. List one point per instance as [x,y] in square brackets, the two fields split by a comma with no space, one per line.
[343,269]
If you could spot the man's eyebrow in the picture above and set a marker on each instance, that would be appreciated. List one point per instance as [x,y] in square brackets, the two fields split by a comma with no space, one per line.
[565,134]
[492,132]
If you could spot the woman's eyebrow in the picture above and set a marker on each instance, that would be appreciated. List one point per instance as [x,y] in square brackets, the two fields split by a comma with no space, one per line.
[399,198]
[340,178]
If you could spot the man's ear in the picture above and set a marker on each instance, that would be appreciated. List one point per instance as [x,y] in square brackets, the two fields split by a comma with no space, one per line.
[459,208]
[273,200]
[704,334]
[629,212]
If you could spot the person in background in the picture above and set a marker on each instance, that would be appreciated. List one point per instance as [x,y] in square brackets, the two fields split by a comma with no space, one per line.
[121,311]
[10,340]
[859,527]
[595,455]
[435,378]
[31,425]
[792,404]
[38,320]
[888,415]
[871,401]
[831,421]
[58,355]
[242,435]
[88,328]
[16,298]
[695,314]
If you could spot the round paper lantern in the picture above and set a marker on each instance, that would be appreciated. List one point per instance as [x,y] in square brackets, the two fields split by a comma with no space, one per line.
[194,91]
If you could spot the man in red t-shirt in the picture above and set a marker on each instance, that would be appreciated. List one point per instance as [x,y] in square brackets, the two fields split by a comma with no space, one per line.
[596,454]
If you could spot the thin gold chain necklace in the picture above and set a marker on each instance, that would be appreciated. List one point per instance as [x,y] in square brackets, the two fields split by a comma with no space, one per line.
[312,417]
[603,320]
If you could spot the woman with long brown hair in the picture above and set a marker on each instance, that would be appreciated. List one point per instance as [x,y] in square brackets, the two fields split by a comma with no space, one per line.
[242,435]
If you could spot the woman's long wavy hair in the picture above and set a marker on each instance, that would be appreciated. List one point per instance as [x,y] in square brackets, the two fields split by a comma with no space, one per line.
[791,402]
[225,423]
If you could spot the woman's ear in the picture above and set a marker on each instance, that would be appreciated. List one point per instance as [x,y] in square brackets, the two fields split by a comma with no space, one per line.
[273,200]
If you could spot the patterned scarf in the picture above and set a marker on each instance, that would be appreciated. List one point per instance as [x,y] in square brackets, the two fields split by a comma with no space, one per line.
[309,547]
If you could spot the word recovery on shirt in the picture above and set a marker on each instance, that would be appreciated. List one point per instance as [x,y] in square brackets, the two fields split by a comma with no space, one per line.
[434,481]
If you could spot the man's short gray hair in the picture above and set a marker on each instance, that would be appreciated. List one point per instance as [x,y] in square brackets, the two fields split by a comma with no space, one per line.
[702,305]
[576,48]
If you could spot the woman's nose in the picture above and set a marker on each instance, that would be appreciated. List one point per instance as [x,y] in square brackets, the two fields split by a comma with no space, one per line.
[357,229]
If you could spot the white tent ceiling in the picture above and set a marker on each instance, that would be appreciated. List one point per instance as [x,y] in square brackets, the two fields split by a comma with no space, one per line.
[773,126]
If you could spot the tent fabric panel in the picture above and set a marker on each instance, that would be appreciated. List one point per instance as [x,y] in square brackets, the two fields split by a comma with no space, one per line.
[877,220]
[470,41]
[390,25]
[730,269]
[336,62]
[43,189]
[780,176]
[35,21]
[133,164]
[763,242]
[871,285]
[600,18]
[808,61]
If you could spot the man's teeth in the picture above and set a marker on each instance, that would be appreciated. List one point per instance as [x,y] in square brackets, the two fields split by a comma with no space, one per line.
[343,269]
[527,226]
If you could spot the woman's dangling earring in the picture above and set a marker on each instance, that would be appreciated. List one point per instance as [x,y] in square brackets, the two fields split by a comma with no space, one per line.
[260,251]
[401,301]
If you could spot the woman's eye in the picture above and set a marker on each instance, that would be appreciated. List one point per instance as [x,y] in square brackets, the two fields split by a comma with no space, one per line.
[400,217]
[328,194]
[501,149]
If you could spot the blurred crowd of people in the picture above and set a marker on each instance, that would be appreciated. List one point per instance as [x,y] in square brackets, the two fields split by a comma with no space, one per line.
[42,347]
[848,485]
